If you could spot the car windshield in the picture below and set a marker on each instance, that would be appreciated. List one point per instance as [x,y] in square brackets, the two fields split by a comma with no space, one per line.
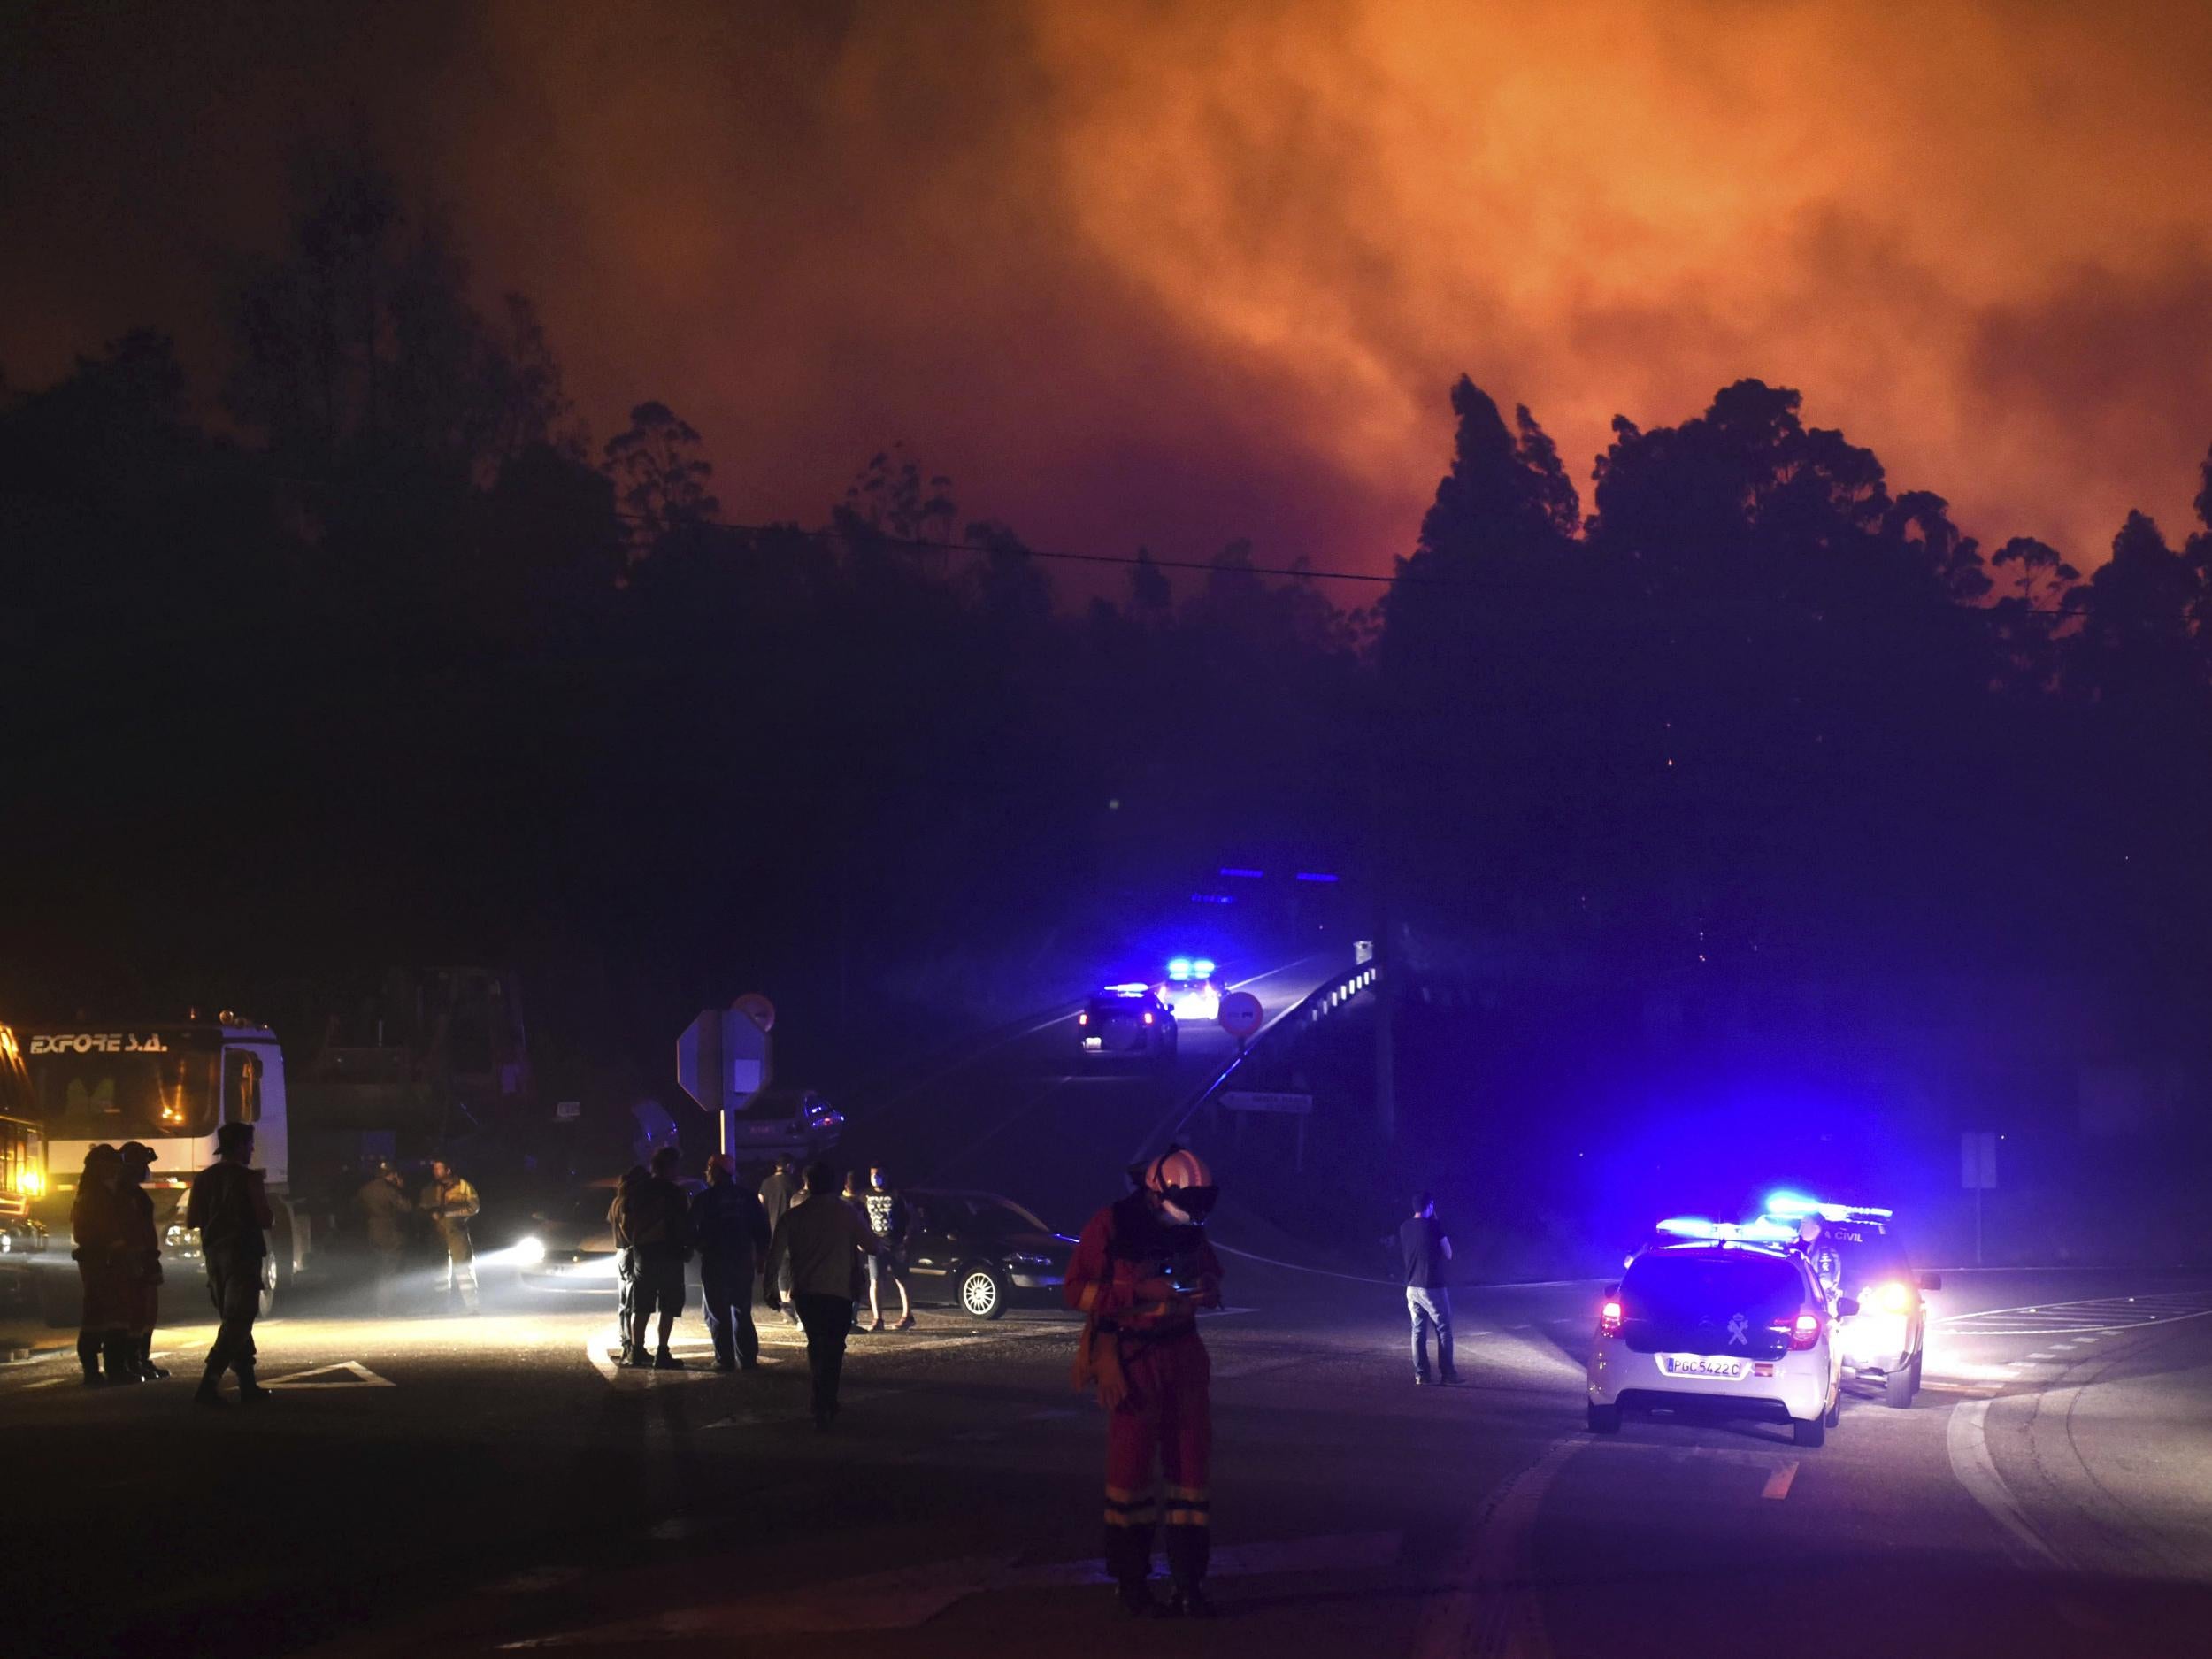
[1877,1261]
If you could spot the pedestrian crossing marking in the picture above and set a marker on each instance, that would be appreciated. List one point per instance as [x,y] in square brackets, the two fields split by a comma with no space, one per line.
[347,1373]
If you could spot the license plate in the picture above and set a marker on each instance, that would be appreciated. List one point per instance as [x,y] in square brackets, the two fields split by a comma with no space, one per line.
[1701,1365]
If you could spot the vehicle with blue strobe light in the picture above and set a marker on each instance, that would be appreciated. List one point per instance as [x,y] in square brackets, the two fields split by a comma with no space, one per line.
[1127,1021]
[1190,990]
[1721,1318]
[1885,1342]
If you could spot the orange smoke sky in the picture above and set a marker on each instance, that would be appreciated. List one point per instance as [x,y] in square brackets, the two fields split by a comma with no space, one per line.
[1172,273]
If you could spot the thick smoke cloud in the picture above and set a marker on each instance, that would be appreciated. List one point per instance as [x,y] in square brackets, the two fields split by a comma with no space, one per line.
[1174,273]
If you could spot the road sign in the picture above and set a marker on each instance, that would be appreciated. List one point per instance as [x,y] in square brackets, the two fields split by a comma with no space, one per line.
[1240,1015]
[1247,1100]
[723,1059]
[566,1109]
[758,1008]
[1978,1160]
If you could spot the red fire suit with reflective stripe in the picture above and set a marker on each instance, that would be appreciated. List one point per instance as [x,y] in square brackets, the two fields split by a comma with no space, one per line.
[1165,1415]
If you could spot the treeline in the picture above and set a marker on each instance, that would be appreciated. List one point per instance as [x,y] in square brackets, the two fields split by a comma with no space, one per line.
[368,654]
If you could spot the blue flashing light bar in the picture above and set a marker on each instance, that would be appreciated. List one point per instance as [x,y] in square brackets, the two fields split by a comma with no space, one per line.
[1796,1206]
[1203,967]
[1179,969]
[1134,988]
[1243,875]
[1763,1231]
[1311,875]
[1211,898]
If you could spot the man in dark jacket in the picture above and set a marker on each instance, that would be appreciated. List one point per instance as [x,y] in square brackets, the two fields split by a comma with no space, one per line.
[96,1229]
[778,1194]
[653,1224]
[141,1265]
[385,1209]
[230,1209]
[1428,1304]
[731,1230]
[627,1188]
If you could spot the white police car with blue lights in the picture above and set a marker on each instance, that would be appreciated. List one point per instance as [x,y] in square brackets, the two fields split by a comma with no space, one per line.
[1189,991]
[1720,1318]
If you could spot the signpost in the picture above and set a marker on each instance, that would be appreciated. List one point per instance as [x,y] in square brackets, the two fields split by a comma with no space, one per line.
[1977,1170]
[724,1058]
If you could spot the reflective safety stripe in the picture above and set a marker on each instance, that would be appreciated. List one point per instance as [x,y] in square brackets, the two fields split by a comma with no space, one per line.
[1088,1300]
[1197,1495]
[1125,1508]
[1187,1517]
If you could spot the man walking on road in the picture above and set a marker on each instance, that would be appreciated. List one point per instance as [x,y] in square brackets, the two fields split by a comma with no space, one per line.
[778,1194]
[822,1242]
[230,1210]
[731,1230]
[1427,1302]
[651,1221]
[383,1204]
[450,1204]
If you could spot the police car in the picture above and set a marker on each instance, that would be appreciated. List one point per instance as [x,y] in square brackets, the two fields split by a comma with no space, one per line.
[1885,1342]
[1190,990]
[1723,1319]
[1125,1022]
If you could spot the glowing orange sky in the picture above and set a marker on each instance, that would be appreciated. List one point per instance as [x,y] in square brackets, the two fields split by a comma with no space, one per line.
[1175,272]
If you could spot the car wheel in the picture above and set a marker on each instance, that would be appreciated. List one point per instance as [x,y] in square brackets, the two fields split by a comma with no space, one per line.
[1605,1419]
[982,1293]
[1809,1432]
[269,1284]
[1898,1386]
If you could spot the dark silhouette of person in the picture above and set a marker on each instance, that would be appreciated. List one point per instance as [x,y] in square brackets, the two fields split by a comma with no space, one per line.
[141,1264]
[229,1209]
[822,1240]
[97,1230]
[730,1228]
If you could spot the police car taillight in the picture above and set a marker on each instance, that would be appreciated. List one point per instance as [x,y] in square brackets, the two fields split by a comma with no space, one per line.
[1609,1316]
[1148,1018]
[1803,1331]
[1084,1018]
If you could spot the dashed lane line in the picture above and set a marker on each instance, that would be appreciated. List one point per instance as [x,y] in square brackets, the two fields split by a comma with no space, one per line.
[1778,1483]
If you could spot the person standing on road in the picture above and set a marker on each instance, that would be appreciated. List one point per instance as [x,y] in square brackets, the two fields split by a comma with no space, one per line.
[1140,1274]
[778,1194]
[451,1204]
[1427,1247]
[627,1187]
[141,1264]
[731,1230]
[888,1220]
[822,1242]
[97,1230]
[384,1206]
[230,1210]
[652,1224]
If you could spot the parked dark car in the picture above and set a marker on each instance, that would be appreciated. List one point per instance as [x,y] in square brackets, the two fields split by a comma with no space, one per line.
[1125,1022]
[978,1248]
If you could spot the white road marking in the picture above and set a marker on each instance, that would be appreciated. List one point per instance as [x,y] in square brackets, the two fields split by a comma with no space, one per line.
[1778,1483]
[347,1373]
[1966,1440]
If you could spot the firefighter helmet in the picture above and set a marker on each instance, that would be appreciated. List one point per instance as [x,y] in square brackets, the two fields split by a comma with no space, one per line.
[1179,1179]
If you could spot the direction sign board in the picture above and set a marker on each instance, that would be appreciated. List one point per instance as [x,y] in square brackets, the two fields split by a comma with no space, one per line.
[1252,1101]
[1240,1015]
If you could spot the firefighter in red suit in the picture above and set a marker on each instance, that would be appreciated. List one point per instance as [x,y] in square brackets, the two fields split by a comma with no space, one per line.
[1140,1274]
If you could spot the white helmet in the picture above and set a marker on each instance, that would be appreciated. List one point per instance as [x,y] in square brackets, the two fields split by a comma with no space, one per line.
[1185,1187]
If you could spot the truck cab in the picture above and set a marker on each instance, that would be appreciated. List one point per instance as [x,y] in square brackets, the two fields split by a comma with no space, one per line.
[171,1086]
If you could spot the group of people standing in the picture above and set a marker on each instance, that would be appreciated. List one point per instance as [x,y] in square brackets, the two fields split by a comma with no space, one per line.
[801,1240]
[447,1201]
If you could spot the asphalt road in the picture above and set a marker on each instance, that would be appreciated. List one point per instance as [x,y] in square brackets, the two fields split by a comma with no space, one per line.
[442,1484]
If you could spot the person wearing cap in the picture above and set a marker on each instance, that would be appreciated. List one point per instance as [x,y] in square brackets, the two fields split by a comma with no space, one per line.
[229,1209]
[452,1204]
[1140,1274]
[385,1209]
[141,1264]
[730,1228]
[779,1193]
[96,1229]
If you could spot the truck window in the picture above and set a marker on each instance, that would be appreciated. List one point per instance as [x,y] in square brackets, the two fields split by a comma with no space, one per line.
[94,1096]
[241,1087]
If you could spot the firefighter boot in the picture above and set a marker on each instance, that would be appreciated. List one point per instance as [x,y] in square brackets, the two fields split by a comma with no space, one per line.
[120,1354]
[1128,1554]
[1188,1548]
[88,1357]
[209,1393]
[147,1369]
[249,1392]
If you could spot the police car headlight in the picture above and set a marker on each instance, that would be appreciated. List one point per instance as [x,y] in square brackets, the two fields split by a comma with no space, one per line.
[529,1251]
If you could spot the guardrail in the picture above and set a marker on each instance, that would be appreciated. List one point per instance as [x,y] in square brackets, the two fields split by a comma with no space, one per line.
[1317,1006]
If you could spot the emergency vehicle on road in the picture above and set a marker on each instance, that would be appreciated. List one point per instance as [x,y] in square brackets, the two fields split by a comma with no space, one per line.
[1885,1342]
[1724,1319]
